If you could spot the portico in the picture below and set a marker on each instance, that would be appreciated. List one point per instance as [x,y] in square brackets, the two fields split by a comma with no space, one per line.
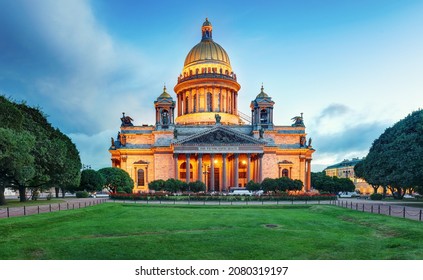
[219,157]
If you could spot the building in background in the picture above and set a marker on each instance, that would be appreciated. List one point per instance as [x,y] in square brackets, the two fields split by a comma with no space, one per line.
[345,169]
[203,136]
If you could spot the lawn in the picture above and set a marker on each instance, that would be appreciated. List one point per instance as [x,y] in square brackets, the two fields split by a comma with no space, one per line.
[134,231]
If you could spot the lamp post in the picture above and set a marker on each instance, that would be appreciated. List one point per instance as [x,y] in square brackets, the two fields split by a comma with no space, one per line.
[205,172]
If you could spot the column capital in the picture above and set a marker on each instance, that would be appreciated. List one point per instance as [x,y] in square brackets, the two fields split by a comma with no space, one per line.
[224,155]
[200,155]
[236,155]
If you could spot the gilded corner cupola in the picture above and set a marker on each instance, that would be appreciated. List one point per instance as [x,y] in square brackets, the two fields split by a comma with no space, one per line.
[207,85]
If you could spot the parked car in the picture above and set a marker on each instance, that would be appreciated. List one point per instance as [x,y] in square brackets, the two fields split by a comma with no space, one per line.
[259,192]
[408,196]
[348,194]
[240,192]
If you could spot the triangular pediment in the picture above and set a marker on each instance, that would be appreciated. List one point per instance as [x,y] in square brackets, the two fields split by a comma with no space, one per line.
[219,136]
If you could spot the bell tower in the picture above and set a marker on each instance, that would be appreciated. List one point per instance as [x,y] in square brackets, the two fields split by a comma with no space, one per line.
[165,110]
[262,111]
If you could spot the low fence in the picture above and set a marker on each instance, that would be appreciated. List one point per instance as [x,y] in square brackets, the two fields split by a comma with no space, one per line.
[384,209]
[38,209]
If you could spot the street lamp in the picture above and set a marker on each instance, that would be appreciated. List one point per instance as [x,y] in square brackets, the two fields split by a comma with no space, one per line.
[205,172]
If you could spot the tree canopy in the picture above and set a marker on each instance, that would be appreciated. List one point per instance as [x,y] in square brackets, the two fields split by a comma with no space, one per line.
[323,183]
[394,159]
[91,181]
[34,154]
[117,180]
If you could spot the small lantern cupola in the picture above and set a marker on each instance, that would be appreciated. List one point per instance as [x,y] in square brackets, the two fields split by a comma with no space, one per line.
[262,111]
[165,110]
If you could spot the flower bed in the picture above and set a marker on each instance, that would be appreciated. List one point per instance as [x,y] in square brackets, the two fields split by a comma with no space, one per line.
[220,197]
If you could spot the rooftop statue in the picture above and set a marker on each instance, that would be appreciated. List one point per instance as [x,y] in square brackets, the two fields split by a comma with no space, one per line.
[126,120]
[261,132]
[217,117]
[298,120]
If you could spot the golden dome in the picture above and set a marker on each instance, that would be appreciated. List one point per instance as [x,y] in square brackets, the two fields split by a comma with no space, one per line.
[207,51]
[262,94]
[164,94]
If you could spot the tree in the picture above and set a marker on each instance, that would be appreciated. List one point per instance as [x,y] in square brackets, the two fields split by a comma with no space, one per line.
[321,182]
[269,185]
[157,185]
[54,158]
[91,181]
[117,180]
[253,186]
[394,159]
[196,186]
[16,162]
[173,185]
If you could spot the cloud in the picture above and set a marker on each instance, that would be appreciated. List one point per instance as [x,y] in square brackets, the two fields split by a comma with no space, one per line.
[94,148]
[56,55]
[333,110]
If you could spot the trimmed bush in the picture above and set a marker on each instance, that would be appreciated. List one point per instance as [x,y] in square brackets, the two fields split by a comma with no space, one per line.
[376,196]
[82,194]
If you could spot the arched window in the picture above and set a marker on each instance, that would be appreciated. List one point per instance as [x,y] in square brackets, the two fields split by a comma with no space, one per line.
[140,178]
[209,102]
[285,173]
[183,171]
[263,116]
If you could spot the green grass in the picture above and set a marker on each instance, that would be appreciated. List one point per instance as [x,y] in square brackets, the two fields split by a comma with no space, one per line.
[135,231]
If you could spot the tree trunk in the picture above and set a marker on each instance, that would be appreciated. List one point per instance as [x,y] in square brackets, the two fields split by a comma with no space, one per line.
[375,188]
[22,193]
[57,192]
[2,198]
[384,191]
[63,192]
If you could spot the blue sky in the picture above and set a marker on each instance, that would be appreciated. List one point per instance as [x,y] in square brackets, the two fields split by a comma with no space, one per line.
[353,68]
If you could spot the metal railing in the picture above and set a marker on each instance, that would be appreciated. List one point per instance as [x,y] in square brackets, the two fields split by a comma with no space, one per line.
[46,208]
[384,209]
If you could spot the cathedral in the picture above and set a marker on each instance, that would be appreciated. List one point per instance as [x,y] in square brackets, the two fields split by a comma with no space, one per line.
[202,136]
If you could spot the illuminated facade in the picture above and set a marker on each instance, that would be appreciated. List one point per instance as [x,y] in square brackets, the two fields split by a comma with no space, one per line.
[203,136]
[345,169]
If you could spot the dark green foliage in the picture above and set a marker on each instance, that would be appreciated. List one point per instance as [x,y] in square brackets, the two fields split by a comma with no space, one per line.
[395,158]
[376,196]
[269,185]
[91,181]
[116,179]
[157,185]
[196,186]
[323,183]
[82,194]
[37,156]
[253,186]
[173,185]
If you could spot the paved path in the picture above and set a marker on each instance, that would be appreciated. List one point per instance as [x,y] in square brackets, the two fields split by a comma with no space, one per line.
[69,204]
[384,207]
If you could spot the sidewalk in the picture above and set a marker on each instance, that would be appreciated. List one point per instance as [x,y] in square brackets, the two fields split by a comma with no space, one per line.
[38,209]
